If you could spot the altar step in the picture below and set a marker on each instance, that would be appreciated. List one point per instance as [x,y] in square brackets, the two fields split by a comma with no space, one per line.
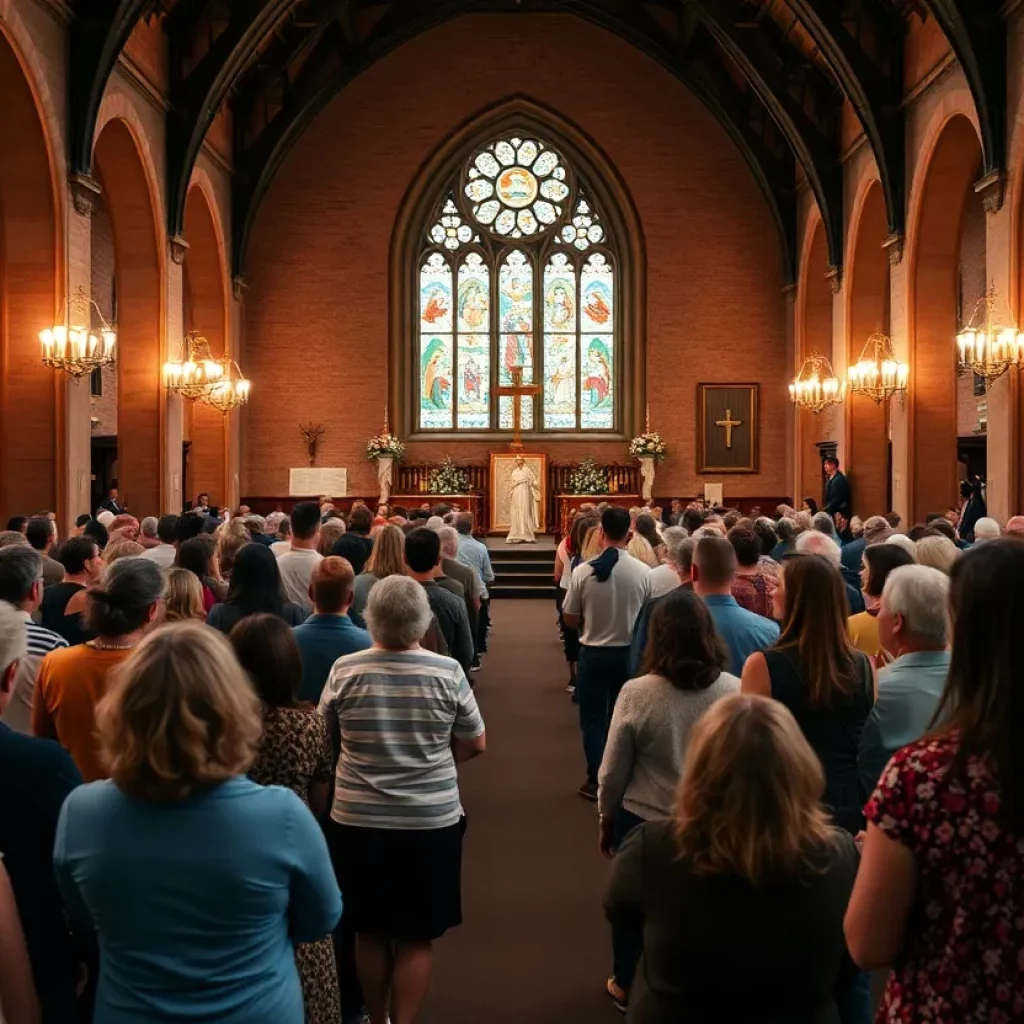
[522,571]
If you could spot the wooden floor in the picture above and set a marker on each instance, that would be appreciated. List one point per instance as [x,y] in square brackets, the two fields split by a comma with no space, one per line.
[534,948]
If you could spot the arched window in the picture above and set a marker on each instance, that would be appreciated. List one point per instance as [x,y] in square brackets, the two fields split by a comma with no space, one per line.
[517,268]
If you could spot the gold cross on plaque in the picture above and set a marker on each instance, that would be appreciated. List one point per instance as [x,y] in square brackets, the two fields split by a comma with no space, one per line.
[728,423]
[517,390]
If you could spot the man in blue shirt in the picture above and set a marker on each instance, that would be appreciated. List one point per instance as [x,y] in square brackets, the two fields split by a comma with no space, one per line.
[913,628]
[475,554]
[744,633]
[328,634]
[37,777]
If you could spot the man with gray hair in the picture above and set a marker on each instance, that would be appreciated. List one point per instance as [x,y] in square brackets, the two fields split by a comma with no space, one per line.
[986,529]
[812,542]
[913,629]
[21,587]
[148,532]
[665,578]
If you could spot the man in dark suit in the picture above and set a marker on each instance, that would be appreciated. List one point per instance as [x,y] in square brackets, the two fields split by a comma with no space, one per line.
[837,489]
[112,503]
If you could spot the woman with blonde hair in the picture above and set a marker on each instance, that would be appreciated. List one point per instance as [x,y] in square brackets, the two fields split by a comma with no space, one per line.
[196,879]
[640,548]
[591,543]
[231,537]
[183,601]
[386,559]
[937,552]
[121,549]
[741,893]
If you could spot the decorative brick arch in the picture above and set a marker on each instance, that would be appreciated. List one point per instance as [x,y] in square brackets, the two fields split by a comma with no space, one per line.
[205,291]
[867,311]
[813,334]
[949,165]
[139,271]
[31,294]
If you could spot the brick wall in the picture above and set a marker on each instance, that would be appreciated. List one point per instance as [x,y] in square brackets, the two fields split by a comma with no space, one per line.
[971,409]
[316,309]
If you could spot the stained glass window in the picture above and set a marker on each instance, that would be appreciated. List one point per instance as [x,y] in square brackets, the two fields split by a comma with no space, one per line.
[517,271]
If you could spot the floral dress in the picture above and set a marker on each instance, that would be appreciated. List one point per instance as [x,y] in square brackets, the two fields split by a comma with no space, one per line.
[295,751]
[963,960]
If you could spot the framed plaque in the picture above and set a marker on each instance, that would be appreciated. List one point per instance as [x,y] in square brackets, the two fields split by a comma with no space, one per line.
[727,428]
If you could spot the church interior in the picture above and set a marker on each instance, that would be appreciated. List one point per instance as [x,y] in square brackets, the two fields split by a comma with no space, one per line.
[519,259]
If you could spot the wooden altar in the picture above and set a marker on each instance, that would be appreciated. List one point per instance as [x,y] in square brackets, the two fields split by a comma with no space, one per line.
[569,503]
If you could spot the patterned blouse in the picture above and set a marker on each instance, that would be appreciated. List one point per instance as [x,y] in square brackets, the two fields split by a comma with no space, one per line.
[295,750]
[964,955]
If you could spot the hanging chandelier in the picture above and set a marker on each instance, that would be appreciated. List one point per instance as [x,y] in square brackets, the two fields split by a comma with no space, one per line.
[986,346]
[816,386]
[231,391]
[73,346]
[878,374]
[195,371]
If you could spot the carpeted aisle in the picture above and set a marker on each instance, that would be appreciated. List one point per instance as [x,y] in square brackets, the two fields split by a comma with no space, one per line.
[534,946]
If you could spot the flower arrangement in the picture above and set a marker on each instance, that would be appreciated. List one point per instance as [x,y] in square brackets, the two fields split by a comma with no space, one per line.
[385,445]
[649,445]
[448,479]
[589,478]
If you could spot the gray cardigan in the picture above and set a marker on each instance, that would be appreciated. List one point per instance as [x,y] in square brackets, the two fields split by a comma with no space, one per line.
[650,729]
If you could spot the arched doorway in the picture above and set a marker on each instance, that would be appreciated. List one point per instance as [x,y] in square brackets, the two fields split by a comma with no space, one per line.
[935,310]
[869,313]
[29,299]
[137,279]
[814,335]
[206,311]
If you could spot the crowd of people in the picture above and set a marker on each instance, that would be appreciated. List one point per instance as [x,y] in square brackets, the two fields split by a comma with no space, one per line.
[800,732]
[228,745]
[230,750]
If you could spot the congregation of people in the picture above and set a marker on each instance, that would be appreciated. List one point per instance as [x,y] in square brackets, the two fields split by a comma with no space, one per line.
[231,746]
[228,747]
[800,731]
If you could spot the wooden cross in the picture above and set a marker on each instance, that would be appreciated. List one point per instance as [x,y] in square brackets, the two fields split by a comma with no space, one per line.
[728,423]
[311,434]
[517,390]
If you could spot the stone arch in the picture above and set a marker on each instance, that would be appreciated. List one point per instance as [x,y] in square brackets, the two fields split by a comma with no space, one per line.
[205,292]
[948,169]
[139,277]
[30,296]
[867,312]
[813,334]
[610,193]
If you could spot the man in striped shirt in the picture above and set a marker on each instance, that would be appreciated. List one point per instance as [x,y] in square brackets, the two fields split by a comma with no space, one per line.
[21,585]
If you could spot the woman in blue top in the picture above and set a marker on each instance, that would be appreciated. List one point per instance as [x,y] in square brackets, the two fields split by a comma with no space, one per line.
[197,880]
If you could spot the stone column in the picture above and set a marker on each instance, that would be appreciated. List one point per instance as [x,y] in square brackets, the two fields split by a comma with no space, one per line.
[793,454]
[172,415]
[899,414]
[234,344]
[1002,439]
[840,419]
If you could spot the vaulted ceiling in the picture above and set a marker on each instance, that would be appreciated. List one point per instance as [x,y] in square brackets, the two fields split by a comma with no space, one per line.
[775,73]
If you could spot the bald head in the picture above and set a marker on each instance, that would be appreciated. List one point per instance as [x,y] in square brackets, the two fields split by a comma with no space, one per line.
[811,542]
[1015,525]
[986,529]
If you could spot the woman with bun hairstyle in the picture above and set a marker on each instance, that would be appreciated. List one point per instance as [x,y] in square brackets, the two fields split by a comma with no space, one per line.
[120,610]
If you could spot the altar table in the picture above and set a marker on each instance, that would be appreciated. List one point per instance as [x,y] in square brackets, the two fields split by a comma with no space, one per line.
[567,503]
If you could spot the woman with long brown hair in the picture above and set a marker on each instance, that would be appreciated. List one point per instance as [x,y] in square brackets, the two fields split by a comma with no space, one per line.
[741,892]
[573,542]
[819,676]
[386,559]
[940,891]
[684,674]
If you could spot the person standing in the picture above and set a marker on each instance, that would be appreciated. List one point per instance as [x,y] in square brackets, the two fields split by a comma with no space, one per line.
[64,603]
[41,533]
[164,551]
[298,562]
[837,489]
[603,601]
[475,554]
[112,503]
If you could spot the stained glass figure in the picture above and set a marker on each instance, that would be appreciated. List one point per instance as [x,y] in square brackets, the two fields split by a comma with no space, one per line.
[517,270]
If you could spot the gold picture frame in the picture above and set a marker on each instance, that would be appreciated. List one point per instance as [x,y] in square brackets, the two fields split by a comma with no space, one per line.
[502,464]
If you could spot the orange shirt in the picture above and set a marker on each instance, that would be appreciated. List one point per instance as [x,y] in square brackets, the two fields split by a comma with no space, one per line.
[68,688]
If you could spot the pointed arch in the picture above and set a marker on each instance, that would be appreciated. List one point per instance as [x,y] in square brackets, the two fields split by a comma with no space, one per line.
[523,115]
[30,294]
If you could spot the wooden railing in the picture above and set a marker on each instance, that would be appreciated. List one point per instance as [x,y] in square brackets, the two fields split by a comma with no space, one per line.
[416,479]
[621,479]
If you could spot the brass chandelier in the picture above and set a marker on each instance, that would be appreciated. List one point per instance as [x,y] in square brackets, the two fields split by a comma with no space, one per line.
[988,347]
[199,377]
[816,386]
[878,374]
[73,346]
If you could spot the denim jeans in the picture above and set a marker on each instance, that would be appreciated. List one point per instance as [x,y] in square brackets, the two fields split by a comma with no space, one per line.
[855,1003]
[600,675]
[627,943]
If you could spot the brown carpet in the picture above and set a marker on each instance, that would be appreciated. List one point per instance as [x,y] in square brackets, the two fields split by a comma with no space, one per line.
[534,946]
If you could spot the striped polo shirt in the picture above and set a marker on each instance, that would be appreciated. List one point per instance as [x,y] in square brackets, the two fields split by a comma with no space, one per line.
[396,713]
[40,641]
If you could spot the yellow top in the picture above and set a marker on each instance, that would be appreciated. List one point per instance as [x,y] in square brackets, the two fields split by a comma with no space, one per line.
[863,632]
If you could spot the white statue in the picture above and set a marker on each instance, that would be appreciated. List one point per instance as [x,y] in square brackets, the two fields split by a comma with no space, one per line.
[523,504]
[385,464]
[646,477]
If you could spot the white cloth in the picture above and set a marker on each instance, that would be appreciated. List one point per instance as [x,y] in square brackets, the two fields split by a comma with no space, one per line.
[297,565]
[279,547]
[523,505]
[663,579]
[162,554]
[609,609]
